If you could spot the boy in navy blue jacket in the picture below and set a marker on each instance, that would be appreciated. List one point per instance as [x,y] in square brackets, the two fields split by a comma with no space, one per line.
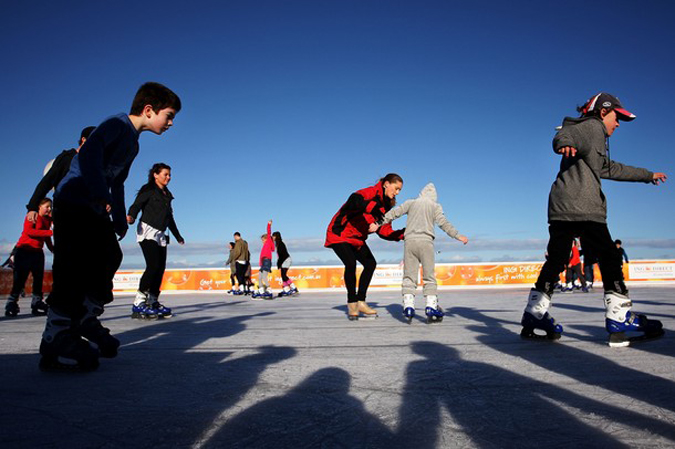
[89,215]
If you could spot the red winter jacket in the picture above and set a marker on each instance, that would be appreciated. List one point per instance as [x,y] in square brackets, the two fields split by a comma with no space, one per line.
[350,224]
[35,234]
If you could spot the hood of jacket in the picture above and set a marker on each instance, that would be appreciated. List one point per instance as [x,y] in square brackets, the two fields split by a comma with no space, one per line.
[429,192]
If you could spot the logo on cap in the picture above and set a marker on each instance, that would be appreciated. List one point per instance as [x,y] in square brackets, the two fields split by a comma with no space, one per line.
[606,104]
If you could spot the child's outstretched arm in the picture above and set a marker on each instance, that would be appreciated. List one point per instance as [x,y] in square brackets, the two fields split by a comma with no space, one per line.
[443,223]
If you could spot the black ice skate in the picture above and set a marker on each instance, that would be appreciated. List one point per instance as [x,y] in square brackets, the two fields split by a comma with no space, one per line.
[93,330]
[67,352]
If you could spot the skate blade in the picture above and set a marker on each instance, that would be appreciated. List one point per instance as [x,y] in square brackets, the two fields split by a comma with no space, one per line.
[529,334]
[353,317]
[368,317]
[434,321]
[637,339]
[51,365]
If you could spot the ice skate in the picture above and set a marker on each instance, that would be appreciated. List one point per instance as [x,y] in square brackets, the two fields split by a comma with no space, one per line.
[67,352]
[62,349]
[365,311]
[352,311]
[620,320]
[93,330]
[12,306]
[267,294]
[143,312]
[157,307]
[536,316]
[257,295]
[409,307]
[38,307]
[433,311]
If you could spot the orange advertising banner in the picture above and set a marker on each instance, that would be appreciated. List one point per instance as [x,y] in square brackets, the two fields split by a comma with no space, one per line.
[385,276]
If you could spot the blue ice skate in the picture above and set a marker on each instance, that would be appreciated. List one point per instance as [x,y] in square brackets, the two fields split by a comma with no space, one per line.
[294,291]
[433,311]
[619,319]
[161,310]
[143,312]
[267,295]
[536,316]
[546,323]
[434,315]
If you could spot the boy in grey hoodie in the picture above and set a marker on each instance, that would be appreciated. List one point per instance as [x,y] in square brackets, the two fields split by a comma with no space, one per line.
[577,206]
[424,213]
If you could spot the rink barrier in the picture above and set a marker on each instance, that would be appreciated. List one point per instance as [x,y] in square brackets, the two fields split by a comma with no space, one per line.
[327,278]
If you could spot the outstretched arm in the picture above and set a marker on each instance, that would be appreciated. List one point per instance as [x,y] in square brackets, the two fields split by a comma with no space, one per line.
[446,226]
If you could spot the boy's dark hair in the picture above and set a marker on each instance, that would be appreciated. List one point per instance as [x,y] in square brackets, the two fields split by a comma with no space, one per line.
[85,133]
[156,95]
[155,170]
[277,235]
[231,245]
[237,234]
[617,242]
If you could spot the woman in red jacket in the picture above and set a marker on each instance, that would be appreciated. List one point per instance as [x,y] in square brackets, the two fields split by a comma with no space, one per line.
[348,231]
[29,258]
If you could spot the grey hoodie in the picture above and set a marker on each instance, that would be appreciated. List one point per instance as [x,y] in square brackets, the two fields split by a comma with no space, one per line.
[576,194]
[423,213]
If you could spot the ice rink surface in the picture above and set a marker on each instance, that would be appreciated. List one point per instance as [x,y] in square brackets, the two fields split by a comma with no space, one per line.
[228,372]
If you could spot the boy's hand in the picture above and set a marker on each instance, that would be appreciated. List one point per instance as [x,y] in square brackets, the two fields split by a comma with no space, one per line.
[130,219]
[463,239]
[567,151]
[32,216]
[373,227]
[269,222]
[659,178]
[181,242]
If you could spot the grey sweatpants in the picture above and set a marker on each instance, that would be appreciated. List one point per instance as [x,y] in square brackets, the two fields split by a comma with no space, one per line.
[415,252]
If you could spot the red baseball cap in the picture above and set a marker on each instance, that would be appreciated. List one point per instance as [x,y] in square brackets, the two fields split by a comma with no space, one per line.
[607,101]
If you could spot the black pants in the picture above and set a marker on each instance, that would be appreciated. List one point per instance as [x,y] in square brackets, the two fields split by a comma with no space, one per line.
[284,274]
[155,265]
[86,257]
[595,237]
[571,271]
[241,272]
[349,255]
[28,261]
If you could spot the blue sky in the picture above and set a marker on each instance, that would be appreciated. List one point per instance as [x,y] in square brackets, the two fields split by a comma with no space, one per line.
[289,106]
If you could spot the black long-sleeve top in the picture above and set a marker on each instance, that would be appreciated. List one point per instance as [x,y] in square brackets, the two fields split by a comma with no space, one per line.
[156,206]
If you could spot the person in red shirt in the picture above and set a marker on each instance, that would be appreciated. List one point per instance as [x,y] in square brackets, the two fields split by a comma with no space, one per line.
[347,234]
[574,268]
[30,259]
[265,265]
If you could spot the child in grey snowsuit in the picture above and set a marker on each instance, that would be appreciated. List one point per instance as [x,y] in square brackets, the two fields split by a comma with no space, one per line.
[424,213]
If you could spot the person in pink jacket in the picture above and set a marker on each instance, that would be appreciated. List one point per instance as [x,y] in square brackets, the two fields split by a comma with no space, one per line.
[264,291]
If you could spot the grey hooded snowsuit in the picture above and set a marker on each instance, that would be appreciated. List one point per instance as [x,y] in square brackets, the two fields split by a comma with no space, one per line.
[424,213]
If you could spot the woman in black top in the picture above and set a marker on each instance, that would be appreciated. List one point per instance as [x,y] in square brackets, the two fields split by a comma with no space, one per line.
[154,199]
[284,262]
